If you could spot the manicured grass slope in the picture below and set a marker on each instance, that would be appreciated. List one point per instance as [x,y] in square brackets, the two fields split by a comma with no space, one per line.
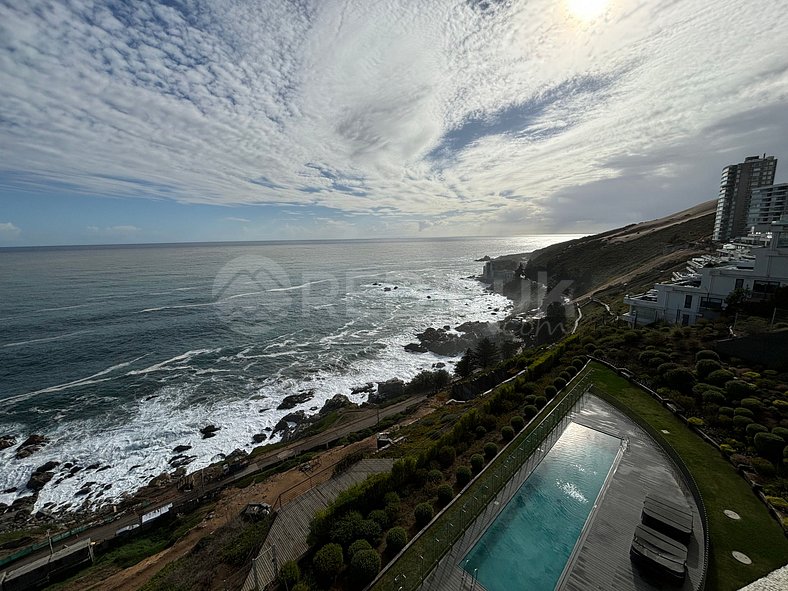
[757,535]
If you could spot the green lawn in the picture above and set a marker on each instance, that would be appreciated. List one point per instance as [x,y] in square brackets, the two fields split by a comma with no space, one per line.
[757,534]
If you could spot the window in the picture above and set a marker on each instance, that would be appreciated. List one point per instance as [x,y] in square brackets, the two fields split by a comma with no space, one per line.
[688,301]
[685,319]
[739,283]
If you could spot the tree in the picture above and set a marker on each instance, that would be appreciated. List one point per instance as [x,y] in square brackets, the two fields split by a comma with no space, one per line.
[396,539]
[464,366]
[327,563]
[463,476]
[486,353]
[477,463]
[289,574]
[490,450]
[445,494]
[770,446]
[509,349]
[423,513]
[364,566]
[358,546]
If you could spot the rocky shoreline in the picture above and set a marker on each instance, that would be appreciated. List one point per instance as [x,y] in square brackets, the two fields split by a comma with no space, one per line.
[444,341]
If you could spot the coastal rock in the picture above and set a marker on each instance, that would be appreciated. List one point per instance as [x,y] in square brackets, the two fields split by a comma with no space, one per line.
[7,441]
[38,480]
[93,467]
[367,388]
[389,389]
[179,449]
[386,289]
[335,403]
[86,488]
[31,445]
[259,437]
[415,348]
[288,424]
[9,490]
[209,431]
[295,399]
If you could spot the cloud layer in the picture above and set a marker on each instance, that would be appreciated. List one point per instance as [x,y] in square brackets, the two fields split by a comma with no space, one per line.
[462,115]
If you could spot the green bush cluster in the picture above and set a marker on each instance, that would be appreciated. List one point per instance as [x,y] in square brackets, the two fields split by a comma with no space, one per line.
[396,539]
[423,514]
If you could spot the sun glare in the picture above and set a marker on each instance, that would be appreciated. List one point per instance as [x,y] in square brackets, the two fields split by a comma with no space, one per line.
[586,10]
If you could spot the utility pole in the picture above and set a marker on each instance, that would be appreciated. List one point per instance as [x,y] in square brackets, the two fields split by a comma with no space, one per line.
[51,549]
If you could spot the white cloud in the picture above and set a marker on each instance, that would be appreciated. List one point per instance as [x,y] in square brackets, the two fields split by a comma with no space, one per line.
[239,220]
[477,116]
[9,231]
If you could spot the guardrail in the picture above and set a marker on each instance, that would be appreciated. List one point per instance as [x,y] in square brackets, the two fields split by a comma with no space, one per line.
[43,544]
[413,564]
[677,461]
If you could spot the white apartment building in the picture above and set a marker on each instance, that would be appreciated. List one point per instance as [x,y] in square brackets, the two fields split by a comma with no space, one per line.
[702,292]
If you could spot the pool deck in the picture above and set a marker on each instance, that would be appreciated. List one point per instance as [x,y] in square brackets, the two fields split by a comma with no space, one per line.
[600,560]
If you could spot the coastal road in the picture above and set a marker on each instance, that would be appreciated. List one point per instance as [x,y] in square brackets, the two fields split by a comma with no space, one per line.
[353,421]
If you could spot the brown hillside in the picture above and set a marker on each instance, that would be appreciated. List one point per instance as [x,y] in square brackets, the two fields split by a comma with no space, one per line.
[616,257]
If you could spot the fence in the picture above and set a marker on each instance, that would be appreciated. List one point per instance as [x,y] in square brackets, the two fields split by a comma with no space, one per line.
[407,571]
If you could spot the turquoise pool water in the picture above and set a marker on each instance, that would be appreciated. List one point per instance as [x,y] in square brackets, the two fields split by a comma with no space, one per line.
[529,543]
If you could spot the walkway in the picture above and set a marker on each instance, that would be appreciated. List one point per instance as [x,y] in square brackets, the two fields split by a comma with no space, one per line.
[287,539]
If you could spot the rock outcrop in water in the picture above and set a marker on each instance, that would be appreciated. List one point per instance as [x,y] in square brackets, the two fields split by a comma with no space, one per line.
[7,441]
[209,431]
[31,445]
[294,400]
[444,341]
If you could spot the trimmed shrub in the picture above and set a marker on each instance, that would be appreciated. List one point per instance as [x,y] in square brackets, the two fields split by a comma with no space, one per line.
[769,446]
[300,587]
[719,377]
[763,467]
[549,393]
[754,428]
[380,517]
[289,574]
[540,402]
[666,367]
[707,354]
[477,463]
[490,450]
[327,563]
[751,403]
[572,371]
[681,379]
[390,497]
[559,383]
[743,412]
[517,422]
[696,421]
[781,432]
[741,422]
[435,476]
[463,476]
[705,366]
[726,411]
[530,411]
[565,376]
[728,450]
[445,494]
[480,432]
[713,397]
[446,456]
[530,399]
[578,363]
[392,511]
[423,514]
[778,503]
[396,539]
[507,433]
[364,566]
[738,389]
[357,546]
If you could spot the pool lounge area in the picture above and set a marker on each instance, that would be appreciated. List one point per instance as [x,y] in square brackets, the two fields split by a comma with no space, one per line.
[566,519]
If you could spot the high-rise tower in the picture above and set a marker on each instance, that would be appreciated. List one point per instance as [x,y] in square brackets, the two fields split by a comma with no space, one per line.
[736,185]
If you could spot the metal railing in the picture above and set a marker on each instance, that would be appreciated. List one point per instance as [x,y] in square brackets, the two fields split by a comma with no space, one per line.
[416,561]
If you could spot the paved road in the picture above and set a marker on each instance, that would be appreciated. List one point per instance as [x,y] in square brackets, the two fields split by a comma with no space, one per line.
[356,420]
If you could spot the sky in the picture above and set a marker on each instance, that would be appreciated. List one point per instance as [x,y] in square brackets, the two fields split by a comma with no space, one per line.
[193,120]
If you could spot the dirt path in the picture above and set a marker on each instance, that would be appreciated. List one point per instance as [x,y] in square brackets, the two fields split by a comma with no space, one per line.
[230,504]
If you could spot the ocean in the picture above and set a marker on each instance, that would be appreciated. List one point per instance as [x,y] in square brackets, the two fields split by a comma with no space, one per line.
[119,354]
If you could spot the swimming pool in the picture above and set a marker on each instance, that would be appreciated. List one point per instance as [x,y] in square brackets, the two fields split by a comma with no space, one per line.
[530,541]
